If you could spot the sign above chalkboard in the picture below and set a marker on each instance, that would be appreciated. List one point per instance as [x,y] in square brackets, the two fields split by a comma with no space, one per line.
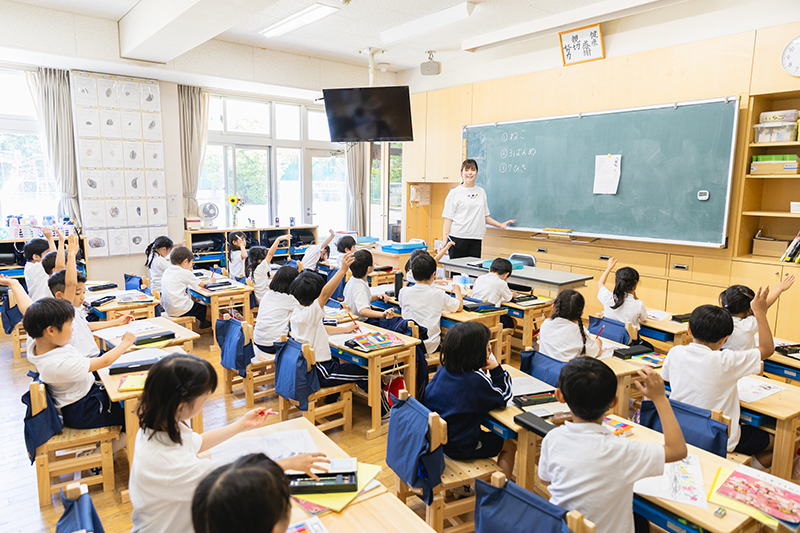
[582,44]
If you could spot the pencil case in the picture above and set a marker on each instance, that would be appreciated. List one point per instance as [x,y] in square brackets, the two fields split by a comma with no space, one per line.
[627,353]
[154,337]
[103,300]
[105,287]
[524,400]
[682,318]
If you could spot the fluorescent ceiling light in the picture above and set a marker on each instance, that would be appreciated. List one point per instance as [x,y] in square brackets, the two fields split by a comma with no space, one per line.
[428,23]
[299,19]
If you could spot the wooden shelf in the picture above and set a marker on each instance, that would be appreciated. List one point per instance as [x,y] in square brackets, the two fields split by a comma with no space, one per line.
[775,145]
[774,214]
[771,176]
[762,259]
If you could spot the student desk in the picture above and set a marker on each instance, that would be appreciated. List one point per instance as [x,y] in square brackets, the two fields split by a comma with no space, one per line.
[732,522]
[376,510]
[527,315]
[533,277]
[130,401]
[381,278]
[396,261]
[665,328]
[404,357]
[183,337]
[782,367]
[238,295]
[113,309]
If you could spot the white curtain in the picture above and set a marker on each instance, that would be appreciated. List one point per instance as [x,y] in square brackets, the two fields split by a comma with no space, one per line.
[193,112]
[357,183]
[50,89]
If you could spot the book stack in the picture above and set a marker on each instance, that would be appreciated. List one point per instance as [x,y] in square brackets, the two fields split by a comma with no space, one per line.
[792,253]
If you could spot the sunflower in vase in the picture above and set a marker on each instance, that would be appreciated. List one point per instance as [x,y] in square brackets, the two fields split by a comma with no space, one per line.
[236,203]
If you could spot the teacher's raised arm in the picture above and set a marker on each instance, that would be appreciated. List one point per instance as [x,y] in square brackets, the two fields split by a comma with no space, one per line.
[466,214]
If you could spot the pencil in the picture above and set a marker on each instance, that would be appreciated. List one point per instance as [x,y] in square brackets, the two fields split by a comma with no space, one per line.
[125,315]
[599,332]
[354,321]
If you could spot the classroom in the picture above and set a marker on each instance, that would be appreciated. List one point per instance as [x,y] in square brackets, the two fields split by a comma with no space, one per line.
[441,266]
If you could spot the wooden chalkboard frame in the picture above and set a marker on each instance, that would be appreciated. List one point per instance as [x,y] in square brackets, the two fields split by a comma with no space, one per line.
[723,243]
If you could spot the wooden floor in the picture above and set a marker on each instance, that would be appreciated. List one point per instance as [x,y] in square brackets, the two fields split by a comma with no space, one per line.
[19,506]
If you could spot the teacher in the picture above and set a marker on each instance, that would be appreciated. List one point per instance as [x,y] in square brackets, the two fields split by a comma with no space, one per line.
[466,214]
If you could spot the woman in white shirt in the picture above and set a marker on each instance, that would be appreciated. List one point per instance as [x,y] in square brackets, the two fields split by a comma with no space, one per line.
[562,336]
[622,305]
[466,213]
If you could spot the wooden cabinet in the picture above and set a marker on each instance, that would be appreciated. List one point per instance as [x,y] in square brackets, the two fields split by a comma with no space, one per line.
[684,296]
[448,111]
[589,292]
[788,323]
[645,263]
[414,151]
[653,292]
[699,269]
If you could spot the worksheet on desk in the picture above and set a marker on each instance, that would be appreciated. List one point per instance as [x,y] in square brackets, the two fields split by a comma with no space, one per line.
[655,314]
[135,327]
[381,289]
[276,446]
[682,481]
[752,389]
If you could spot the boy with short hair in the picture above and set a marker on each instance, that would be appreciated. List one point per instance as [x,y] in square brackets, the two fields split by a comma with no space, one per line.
[588,468]
[70,285]
[492,287]
[55,261]
[175,281]
[424,304]
[346,245]
[357,294]
[35,276]
[705,375]
[317,253]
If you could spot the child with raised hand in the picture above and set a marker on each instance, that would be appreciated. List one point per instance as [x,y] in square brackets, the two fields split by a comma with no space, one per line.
[357,294]
[166,469]
[157,262]
[562,336]
[55,261]
[736,299]
[468,385]
[705,374]
[258,265]
[317,253]
[589,469]
[35,276]
[420,251]
[623,304]
[274,313]
[237,255]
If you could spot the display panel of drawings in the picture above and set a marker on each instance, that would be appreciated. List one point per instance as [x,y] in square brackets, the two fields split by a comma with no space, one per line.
[117,122]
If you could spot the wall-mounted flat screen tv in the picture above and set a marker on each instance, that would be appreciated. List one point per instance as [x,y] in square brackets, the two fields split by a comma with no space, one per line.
[368,114]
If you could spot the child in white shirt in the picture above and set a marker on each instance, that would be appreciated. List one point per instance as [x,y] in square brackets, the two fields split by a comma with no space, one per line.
[562,336]
[492,287]
[157,262]
[166,469]
[705,375]
[55,261]
[237,254]
[317,253]
[589,469]
[346,245]
[35,276]
[274,313]
[622,305]
[176,280]
[259,265]
[419,251]
[357,294]
[736,299]
[424,304]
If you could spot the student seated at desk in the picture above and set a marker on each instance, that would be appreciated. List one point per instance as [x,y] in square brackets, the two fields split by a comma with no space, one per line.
[468,385]
[157,262]
[259,264]
[346,245]
[237,254]
[357,294]
[493,287]
[274,313]
[421,251]
[317,253]
[84,404]
[621,305]
[736,299]
[175,282]
[35,276]
[250,495]
[588,468]
[424,304]
[166,469]
[562,336]
[70,285]
[705,374]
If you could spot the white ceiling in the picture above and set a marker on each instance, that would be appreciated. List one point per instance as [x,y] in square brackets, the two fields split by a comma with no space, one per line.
[358,25]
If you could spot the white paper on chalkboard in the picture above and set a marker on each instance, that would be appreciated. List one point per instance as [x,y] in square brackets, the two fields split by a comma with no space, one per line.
[155,184]
[92,184]
[138,239]
[94,213]
[606,173]
[85,90]
[97,241]
[157,211]
[134,184]
[131,124]
[112,154]
[88,122]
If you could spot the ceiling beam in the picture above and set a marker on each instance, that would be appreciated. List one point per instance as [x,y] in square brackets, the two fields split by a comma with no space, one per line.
[591,14]
[161,30]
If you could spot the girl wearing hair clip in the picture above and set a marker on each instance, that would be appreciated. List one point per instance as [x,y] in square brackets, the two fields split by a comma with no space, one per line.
[736,299]
[166,469]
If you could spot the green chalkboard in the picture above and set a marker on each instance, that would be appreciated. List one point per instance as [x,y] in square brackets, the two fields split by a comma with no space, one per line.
[541,171]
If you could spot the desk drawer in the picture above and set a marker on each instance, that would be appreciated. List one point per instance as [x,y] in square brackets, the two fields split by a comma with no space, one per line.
[680,266]
[754,419]
[699,269]
[656,334]
[498,429]
[781,370]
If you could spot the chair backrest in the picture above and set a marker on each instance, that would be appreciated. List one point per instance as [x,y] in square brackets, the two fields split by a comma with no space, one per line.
[503,506]
[612,329]
[541,366]
[527,259]
[338,294]
[133,282]
[295,376]
[41,418]
[235,341]
[698,426]
[336,304]
[414,444]
[79,511]
[11,315]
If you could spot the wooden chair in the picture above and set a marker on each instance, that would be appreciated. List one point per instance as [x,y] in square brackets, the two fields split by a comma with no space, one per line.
[576,523]
[739,458]
[19,337]
[253,310]
[320,415]
[445,510]
[58,456]
[185,321]
[431,358]
[258,374]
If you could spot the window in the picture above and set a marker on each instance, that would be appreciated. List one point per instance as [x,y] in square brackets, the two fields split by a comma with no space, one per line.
[290,194]
[287,122]
[318,126]
[245,116]
[26,187]
[385,191]
[395,190]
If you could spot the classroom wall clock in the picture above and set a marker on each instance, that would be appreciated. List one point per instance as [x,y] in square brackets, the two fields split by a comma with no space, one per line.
[790,58]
